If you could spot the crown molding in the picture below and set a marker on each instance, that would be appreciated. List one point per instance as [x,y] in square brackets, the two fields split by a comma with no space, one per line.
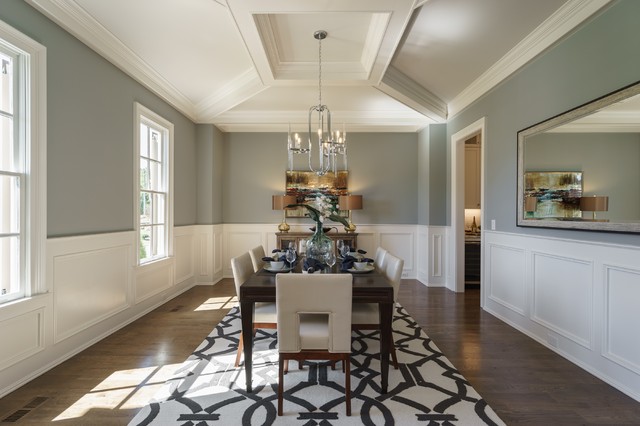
[235,92]
[562,22]
[71,17]
[407,91]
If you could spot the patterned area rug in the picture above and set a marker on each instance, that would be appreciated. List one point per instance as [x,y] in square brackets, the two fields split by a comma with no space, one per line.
[207,390]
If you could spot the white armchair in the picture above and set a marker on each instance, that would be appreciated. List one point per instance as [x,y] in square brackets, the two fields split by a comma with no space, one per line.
[314,322]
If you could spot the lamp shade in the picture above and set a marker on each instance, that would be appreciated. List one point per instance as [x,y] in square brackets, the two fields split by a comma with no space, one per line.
[530,204]
[279,202]
[597,203]
[350,202]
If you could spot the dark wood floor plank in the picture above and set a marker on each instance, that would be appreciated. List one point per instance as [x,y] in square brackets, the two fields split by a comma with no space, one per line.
[523,381]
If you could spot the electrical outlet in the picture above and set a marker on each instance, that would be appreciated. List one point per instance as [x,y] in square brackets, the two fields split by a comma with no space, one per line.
[493,224]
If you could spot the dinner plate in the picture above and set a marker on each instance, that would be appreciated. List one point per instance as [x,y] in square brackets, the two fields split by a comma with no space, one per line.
[361,271]
[285,269]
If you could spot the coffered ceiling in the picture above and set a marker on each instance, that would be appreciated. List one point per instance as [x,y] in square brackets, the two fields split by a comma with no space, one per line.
[252,65]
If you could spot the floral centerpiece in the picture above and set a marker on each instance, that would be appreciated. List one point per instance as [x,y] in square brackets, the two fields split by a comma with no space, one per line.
[319,246]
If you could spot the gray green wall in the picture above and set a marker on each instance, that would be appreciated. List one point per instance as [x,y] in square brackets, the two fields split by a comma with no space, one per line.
[383,167]
[432,175]
[90,134]
[210,168]
[597,59]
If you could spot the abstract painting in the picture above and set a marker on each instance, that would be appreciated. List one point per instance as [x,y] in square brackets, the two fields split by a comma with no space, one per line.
[558,193]
[306,185]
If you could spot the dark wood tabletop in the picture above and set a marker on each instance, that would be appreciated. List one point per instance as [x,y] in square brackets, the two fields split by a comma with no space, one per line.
[370,287]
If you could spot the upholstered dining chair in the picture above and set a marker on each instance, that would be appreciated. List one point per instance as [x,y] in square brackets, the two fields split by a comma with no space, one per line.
[379,261]
[257,253]
[314,322]
[264,314]
[365,316]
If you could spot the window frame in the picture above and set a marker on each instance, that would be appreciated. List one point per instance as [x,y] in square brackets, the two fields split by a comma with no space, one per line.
[31,128]
[143,115]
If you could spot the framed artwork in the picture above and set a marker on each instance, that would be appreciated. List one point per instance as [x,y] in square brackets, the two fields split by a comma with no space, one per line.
[304,185]
[558,194]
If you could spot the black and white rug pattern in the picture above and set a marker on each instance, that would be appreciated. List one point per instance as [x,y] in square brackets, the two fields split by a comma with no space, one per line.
[207,390]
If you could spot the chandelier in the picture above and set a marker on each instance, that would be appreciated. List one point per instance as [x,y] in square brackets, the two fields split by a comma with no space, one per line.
[328,148]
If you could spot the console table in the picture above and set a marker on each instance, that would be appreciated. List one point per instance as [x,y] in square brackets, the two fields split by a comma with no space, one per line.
[284,238]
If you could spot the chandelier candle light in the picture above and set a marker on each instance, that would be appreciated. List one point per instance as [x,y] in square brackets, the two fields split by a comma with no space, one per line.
[331,146]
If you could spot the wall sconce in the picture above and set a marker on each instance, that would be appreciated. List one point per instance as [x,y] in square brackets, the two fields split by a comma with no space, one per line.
[280,202]
[530,205]
[597,203]
[350,202]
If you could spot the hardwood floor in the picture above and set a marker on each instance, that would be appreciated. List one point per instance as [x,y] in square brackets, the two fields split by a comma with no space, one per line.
[524,382]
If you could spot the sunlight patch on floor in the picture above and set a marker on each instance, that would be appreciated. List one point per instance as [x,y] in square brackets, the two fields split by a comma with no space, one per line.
[215,303]
[124,389]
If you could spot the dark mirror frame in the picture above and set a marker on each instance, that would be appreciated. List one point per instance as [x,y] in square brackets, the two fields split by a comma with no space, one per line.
[559,120]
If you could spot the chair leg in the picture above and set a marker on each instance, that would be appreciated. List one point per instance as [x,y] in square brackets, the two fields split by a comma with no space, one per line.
[394,358]
[346,366]
[239,354]
[280,384]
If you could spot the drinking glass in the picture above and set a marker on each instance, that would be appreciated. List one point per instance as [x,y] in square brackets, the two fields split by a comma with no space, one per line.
[344,251]
[339,245]
[291,257]
[331,260]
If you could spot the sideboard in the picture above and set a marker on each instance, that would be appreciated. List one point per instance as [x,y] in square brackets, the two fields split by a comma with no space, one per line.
[284,238]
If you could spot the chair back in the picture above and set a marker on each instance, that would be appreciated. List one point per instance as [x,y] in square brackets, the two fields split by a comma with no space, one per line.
[301,294]
[257,253]
[393,272]
[380,261]
[242,269]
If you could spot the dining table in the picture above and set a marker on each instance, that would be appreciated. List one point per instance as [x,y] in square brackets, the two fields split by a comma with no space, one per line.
[369,286]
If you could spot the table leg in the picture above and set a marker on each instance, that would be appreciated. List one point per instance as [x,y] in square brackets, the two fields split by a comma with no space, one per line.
[386,340]
[246,312]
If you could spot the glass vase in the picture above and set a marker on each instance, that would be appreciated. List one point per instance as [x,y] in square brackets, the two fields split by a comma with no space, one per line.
[319,246]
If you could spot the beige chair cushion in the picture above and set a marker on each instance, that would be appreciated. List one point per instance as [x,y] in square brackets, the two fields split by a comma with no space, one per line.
[297,296]
[379,261]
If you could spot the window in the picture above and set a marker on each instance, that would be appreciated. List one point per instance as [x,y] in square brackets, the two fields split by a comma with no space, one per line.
[154,185]
[22,164]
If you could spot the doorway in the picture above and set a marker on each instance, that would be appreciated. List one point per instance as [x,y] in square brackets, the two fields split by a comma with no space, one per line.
[456,281]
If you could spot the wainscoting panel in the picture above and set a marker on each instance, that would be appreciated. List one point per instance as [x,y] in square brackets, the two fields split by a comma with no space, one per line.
[506,283]
[154,278]
[26,334]
[578,298]
[559,282]
[185,253]
[94,272]
[622,296]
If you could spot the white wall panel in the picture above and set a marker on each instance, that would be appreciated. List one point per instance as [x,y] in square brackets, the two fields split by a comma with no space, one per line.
[26,334]
[184,252]
[153,279]
[562,295]
[89,286]
[506,284]
[622,316]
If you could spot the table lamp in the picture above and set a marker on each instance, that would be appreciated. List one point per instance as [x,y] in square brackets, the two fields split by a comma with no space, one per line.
[280,202]
[350,202]
[597,203]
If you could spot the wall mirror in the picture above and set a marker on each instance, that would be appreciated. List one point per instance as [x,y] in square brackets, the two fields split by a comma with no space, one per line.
[581,169]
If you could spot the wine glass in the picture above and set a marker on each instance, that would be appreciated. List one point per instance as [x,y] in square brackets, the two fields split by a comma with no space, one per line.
[290,256]
[331,260]
[339,245]
[344,251]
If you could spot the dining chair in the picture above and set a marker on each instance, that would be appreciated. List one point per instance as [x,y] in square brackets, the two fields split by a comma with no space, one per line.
[264,314]
[314,322]
[257,253]
[365,316]
[379,260]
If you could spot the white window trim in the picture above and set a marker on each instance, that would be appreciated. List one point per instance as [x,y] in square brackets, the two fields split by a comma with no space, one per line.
[35,73]
[141,110]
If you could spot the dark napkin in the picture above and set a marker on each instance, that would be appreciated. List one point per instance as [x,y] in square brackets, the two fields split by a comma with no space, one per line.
[347,263]
[312,265]
[271,259]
